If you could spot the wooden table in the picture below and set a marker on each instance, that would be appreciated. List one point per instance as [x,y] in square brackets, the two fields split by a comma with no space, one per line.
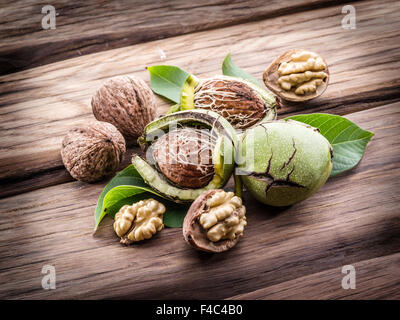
[46,218]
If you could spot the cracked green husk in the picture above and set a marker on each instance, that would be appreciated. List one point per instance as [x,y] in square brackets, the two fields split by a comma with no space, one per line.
[223,156]
[291,162]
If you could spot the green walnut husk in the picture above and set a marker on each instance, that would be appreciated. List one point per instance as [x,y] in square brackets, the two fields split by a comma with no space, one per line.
[283,162]
[223,156]
[241,102]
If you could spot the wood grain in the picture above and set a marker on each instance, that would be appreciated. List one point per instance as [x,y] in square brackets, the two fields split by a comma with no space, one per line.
[376,278]
[353,219]
[39,105]
[93,26]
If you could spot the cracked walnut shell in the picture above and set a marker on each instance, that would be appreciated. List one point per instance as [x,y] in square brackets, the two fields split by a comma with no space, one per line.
[128,103]
[93,151]
[139,221]
[215,221]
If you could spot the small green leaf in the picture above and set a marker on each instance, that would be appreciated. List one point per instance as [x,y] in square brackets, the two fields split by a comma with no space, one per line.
[347,139]
[127,176]
[121,195]
[167,81]
[128,187]
[231,69]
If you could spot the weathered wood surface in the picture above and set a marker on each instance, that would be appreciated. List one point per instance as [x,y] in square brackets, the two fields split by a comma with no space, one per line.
[376,278]
[91,26]
[352,219]
[39,105]
[295,252]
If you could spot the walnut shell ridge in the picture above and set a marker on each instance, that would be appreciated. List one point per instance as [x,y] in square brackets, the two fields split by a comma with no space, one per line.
[126,102]
[93,151]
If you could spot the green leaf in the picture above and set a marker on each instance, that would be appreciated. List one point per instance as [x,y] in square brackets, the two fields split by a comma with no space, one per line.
[347,139]
[231,69]
[126,177]
[121,195]
[167,81]
[128,187]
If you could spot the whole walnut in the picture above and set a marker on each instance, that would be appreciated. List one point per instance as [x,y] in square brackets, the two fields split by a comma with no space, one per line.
[93,151]
[126,102]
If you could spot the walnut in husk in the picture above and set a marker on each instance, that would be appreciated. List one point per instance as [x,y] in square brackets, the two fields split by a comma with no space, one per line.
[128,103]
[215,221]
[184,156]
[139,221]
[239,101]
[93,151]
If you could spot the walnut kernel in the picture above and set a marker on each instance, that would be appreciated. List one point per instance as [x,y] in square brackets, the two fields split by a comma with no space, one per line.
[225,217]
[139,221]
[304,71]
[215,221]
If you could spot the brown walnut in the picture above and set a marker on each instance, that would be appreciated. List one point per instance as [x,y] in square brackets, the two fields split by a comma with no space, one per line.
[234,99]
[126,102]
[93,151]
[215,221]
[184,156]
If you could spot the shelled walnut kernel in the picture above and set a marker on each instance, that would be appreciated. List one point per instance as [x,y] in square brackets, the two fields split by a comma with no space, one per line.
[215,221]
[139,221]
[225,218]
[304,71]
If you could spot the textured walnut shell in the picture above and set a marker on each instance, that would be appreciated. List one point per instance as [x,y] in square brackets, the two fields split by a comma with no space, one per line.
[93,151]
[193,232]
[184,158]
[242,106]
[271,77]
[126,102]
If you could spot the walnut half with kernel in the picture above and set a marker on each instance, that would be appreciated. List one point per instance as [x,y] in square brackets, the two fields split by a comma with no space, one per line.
[139,221]
[215,221]
[297,75]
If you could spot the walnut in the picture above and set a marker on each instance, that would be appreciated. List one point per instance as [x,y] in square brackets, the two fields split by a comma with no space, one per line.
[93,151]
[232,98]
[297,75]
[139,221]
[215,221]
[184,156]
[126,102]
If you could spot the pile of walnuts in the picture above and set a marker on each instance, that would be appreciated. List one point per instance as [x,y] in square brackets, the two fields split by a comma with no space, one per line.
[123,106]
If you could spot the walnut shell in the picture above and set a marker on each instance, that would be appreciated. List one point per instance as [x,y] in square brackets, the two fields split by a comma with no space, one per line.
[232,98]
[197,236]
[271,77]
[184,156]
[126,102]
[93,151]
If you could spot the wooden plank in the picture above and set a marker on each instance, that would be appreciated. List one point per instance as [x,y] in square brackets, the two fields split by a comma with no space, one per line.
[38,106]
[376,278]
[353,218]
[93,26]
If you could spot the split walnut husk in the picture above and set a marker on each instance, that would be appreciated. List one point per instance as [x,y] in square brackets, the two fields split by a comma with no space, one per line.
[187,153]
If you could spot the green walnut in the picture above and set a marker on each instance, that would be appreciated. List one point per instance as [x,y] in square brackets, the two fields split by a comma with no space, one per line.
[283,162]
[187,153]
[239,101]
